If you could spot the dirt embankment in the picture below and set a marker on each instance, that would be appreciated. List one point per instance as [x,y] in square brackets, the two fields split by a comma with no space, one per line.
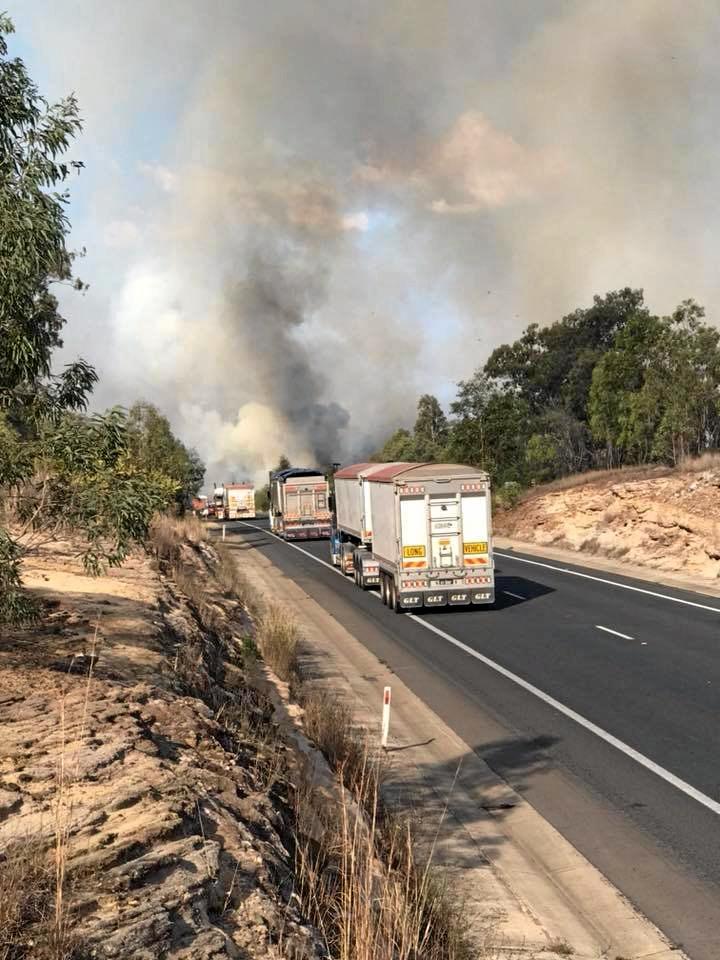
[141,814]
[670,523]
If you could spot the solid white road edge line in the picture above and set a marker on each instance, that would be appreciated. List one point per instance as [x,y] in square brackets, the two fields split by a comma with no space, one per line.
[612,583]
[615,633]
[515,595]
[620,745]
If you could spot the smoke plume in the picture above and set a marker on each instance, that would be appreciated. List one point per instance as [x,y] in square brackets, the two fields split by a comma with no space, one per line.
[301,216]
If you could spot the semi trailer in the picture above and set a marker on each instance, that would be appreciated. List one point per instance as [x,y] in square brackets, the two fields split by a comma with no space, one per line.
[239,501]
[422,532]
[299,504]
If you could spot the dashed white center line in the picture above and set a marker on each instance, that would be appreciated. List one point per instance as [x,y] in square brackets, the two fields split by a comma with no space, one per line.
[516,596]
[615,633]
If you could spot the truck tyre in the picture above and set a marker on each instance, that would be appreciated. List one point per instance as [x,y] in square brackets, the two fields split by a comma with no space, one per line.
[384,588]
[392,595]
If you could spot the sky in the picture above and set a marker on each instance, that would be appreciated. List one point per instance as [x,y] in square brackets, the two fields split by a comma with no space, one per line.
[301,215]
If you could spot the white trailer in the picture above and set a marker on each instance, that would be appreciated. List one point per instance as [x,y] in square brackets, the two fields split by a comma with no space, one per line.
[353,521]
[300,504]
[239,501]
[425,527]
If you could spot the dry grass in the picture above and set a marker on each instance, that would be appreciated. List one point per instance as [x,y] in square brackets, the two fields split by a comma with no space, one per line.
[26,898]
[710,460]
[369,895]
[277,637]
[35,919]
[167,534]
[232,581]
[362,883]
[329,724]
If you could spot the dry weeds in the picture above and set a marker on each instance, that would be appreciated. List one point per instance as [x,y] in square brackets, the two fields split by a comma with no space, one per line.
[277,638]
[710,460]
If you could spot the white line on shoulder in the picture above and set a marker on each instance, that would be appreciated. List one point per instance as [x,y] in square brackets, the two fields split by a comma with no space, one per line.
[620,745]
[612,583]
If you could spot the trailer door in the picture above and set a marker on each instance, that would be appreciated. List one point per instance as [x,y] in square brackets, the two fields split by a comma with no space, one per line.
[307,504]
[413,533]
[445,530]
[292,503]
[475,529]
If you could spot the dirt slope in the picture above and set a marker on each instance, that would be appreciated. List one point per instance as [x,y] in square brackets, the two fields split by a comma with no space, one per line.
[159,818]
[670,523]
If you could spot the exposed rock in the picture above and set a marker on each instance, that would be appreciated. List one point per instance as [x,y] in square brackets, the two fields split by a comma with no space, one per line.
[176,846]
[670,523]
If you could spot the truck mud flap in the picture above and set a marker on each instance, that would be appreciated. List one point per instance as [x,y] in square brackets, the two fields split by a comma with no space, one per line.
[458,598]
[483,596]
[437,598]
[409,601]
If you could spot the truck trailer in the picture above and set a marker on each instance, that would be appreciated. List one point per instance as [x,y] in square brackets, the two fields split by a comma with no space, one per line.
[239,501]
[299,504]
[421,531]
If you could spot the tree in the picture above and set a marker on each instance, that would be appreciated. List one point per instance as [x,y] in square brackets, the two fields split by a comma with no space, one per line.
[489,428]
[431,429]
[553,365]
[33,252]
[153,445]
[33,255]
[400,447]
[59,469]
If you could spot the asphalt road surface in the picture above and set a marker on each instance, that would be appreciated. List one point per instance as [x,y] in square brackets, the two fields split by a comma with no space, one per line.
[596,696]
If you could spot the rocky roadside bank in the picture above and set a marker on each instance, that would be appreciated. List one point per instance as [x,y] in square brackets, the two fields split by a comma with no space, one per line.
[668,523]
[145,809]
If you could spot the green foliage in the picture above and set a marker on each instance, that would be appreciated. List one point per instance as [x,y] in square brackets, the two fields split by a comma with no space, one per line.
[15,606]
[153,446]
[399,447]
[541,454]
[103,477]
[33,138]
[431,429]
[262,499]
[88,481]
[508,494]
[607,385]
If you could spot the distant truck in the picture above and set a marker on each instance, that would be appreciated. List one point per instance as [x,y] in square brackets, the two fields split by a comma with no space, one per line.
[216,506]
[199,507]
[422,532]
[239,501]
[300,504]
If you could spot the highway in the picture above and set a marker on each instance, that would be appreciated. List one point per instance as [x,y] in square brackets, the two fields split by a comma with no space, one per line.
[594,695]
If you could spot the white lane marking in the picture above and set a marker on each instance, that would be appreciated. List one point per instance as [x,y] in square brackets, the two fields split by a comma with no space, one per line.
[612,583]
[515,595]
[615,633]
[620,745]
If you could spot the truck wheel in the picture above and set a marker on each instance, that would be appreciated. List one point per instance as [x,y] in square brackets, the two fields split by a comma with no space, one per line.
[392,595]
[384,588]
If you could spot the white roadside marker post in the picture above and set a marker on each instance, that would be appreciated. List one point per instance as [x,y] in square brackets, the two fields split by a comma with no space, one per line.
[385,718]
[223,531]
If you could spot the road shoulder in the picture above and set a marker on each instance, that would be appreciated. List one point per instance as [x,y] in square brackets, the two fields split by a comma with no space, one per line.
[524,885]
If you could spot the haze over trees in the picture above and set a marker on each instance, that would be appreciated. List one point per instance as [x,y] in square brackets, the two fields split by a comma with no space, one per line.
[98,477]
[608,385]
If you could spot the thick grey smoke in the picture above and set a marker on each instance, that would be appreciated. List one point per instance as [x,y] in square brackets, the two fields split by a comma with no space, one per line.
[306,214]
